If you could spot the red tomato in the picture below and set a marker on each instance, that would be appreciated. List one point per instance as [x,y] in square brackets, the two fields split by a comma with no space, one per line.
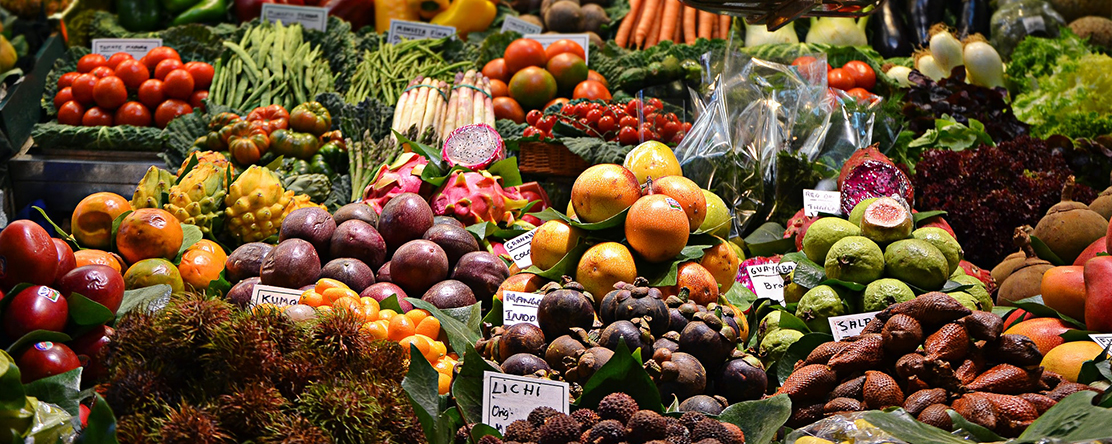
[110,93]
[83,89]
[628,136]
[523,53]
[159,54]
[70,113]
[590,89]
[133,113]
[499,88]
[164,67]
[118,58]
[594,75]
[564,45]
[197,100]
[202,74]
[178,84]
[533,116]
[546,123]
[632,107]
[97,116]
[863,74]
[861,94]
[133,73]
[170,109]
[533,131]
[151,93]
[840,79]
[496,70]
[102,72]
[805,64]
[628,121]
[89,62]
[64,95]
[67,79]
[560,100]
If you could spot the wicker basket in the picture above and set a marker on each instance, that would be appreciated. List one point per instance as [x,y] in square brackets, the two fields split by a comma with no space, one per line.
[550,159]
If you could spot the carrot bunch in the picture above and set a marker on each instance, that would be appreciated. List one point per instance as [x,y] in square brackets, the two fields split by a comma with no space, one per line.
[652,21]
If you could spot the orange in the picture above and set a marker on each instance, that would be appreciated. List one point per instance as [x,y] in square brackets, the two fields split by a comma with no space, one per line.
[369,312]
[687,193]
[429,326]
[1066,359]
[149,233]
[98,257]
[346,303]
[526,282]
[326,283]
[211,247]
[386,314]
[377,329]
[443,383]
[401,327]
[657,227]
[148,272]
[444,365]
[551,242]
[1046,332]
[700,284]
[417,315]
[332,294]
[199,267]
[92,219]
[603,191]
[311,298]
[1063,289]
[604,265]
[722,262]
[441,350]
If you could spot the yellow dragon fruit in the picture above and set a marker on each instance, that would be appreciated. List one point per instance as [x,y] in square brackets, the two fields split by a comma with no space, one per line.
[151,187]
[199,197]
[203,157]
[303,201]
[256,205]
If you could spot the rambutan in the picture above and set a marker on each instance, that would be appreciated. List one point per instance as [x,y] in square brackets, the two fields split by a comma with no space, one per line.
[191,425]
[247,411]
[294,430]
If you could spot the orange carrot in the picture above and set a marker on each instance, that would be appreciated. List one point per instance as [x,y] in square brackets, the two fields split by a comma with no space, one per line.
[689,25]
[677,35]
[655,32]
[724,22]
[671,19]
[706,24]
[626,28]
[648,10]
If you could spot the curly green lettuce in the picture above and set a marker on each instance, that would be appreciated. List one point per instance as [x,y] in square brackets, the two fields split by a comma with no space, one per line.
[1074,99]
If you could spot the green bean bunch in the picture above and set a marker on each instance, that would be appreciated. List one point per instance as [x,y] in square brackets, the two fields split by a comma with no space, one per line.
[271,64]
[385,73]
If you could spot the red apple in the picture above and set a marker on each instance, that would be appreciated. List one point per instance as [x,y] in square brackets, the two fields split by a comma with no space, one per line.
[45,359]
[27,255]
[66,259]
[37,307]
[88,349]
[100,283]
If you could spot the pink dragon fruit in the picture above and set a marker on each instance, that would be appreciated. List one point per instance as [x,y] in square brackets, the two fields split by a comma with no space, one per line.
[401,176]
[474,146]
[474,197]
[936,221]
[797,227]
[529,192]
[868,173]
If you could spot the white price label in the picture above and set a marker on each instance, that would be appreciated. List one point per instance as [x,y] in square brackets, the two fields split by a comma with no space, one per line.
[850,325]
[278,296]
[519,307]
[520,26]
[584,41]
[815,202]
[137,48]
[403,29]
[521,248]
[310,17]
[507,398]
[768,279]
[1104,340]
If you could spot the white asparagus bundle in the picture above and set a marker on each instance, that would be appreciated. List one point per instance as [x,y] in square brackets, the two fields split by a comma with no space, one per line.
[429,112]
[463,111]
[478,110]
[399,108]
[450,111]
[417,111]
[488,116]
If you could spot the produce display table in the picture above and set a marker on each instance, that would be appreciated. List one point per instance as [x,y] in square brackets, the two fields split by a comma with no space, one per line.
[62,179]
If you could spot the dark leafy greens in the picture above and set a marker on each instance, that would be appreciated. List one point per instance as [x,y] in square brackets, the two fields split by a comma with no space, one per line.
[928,100]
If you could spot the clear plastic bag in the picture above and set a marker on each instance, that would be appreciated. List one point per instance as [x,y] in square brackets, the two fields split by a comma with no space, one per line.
[849,428]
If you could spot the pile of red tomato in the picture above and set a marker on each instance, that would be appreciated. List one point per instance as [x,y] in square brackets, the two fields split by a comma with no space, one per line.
[613,122]
[120,90]
[856,78]
[529,76]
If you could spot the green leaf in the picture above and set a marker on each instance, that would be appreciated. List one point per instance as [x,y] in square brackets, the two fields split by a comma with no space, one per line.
[420,385]
[622,373]
[116,226]
[220,286]
[391,303]
[566,266]
[7,298]
[851,286]
[494,316]
[767,232]
[461,336]
[1037,307]
[901,425]
[141,297]
[759,419]
[480,430]
[799,351]
[789,321]
[807,273]
[1072,335]
[918,217]
[664,275]
[467,386]
[11,389]
[430,153]
[552,213]
[951,286]
[101,428]
[191,234]
[976,430]
[1073,419]
[63,390]
[61,233]
[35,337]
[86,312]
[739,296]
[192,162]
[1043,251]
[507,168]
[771,248]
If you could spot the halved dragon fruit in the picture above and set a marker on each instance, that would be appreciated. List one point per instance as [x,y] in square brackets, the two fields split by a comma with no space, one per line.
[401,176]
[474,197]
[868,173]
[474,146]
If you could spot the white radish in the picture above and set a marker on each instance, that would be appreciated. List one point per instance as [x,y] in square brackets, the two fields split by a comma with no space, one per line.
[900,73]
[927,65]
[946,49]
[983,64]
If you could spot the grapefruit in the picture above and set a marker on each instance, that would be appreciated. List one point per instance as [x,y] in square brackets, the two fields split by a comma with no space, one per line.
[688,194]
[604,265]
[1063,289]
[1046,332]
[1066,359]
[657,227]
[603,191]
[552,241]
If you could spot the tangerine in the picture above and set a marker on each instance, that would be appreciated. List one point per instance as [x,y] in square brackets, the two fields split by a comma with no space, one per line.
[722,262]
[551,242]
[1067,359]
[422,343]
[149,233]
[331,295]
[326,283]
[1063,289]
[386,314]
[377,329]
[92,218]
[154,271]
[98,257]
[311,298]
[443,383]
[444,365]
[657,227]
[429,326]
[199,267]
[400,328]
[417,315]
[687,193]
[1046,332]
[602,191]
[700,283]
[604,265]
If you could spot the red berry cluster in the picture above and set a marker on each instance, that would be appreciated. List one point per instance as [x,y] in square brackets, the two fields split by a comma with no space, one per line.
[613,122]
[120,90]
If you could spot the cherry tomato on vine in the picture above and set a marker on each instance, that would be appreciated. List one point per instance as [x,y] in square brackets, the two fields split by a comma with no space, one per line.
[629,121]
[533,131]
[607,124]
[628,136]
[656,103]
[533,116]
[546,123]
[632,107]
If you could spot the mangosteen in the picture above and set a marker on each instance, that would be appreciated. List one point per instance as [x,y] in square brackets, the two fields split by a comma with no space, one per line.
[563,348]
[708,339]
[588,362]
[670,342]
[564,308]
[676,320]
[707,405]
[741,379]
[681,375]
[642,301]
[521,338]
[614,333]
[523,364]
